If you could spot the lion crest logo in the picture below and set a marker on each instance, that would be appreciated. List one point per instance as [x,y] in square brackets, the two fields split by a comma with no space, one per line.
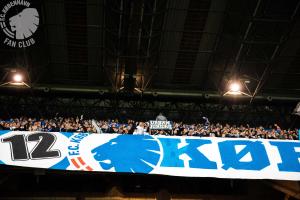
[127,153]
[24,24]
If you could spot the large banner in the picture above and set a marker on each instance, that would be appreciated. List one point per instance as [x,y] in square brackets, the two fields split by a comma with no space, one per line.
[161,125]
[166,155]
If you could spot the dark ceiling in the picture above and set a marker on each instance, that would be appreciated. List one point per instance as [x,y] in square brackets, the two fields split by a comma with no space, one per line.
[153,45]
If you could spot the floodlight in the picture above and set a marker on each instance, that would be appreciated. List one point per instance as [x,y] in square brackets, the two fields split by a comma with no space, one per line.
[235,87]
[17,78]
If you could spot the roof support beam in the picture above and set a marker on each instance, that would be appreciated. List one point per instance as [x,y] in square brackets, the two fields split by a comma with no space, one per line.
[237,57]
[268,68]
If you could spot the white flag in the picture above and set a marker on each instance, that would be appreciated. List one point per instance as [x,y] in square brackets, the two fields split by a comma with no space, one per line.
[94,123]
[297,109]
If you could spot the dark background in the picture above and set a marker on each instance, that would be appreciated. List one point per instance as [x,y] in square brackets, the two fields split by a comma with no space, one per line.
[136,58]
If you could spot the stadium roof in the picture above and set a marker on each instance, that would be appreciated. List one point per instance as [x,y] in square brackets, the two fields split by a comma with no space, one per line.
[174,46]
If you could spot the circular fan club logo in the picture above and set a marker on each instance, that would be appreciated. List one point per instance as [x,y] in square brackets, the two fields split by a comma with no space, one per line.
[19,21]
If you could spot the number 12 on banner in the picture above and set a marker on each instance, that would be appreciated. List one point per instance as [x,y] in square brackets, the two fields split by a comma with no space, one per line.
[42,150]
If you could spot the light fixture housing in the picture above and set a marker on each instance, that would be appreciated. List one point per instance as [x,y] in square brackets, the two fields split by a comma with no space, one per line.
[235,88]
[15,78]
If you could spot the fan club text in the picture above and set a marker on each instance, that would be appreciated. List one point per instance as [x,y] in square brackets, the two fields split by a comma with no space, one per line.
[19,44]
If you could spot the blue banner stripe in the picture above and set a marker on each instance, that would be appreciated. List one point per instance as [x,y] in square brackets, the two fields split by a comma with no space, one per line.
[67,134]
[2,132]
[64,164]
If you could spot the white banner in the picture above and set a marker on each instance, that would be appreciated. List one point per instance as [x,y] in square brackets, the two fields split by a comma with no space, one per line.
[161,125]
[166,155]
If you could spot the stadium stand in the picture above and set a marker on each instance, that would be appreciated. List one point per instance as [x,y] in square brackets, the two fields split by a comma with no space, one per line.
[75,124]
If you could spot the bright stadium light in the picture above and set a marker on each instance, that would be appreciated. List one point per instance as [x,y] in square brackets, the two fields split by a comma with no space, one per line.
[18,78]
[235,87]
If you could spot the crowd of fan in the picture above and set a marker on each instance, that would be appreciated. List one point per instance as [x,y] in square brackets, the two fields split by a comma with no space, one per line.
[78,124]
